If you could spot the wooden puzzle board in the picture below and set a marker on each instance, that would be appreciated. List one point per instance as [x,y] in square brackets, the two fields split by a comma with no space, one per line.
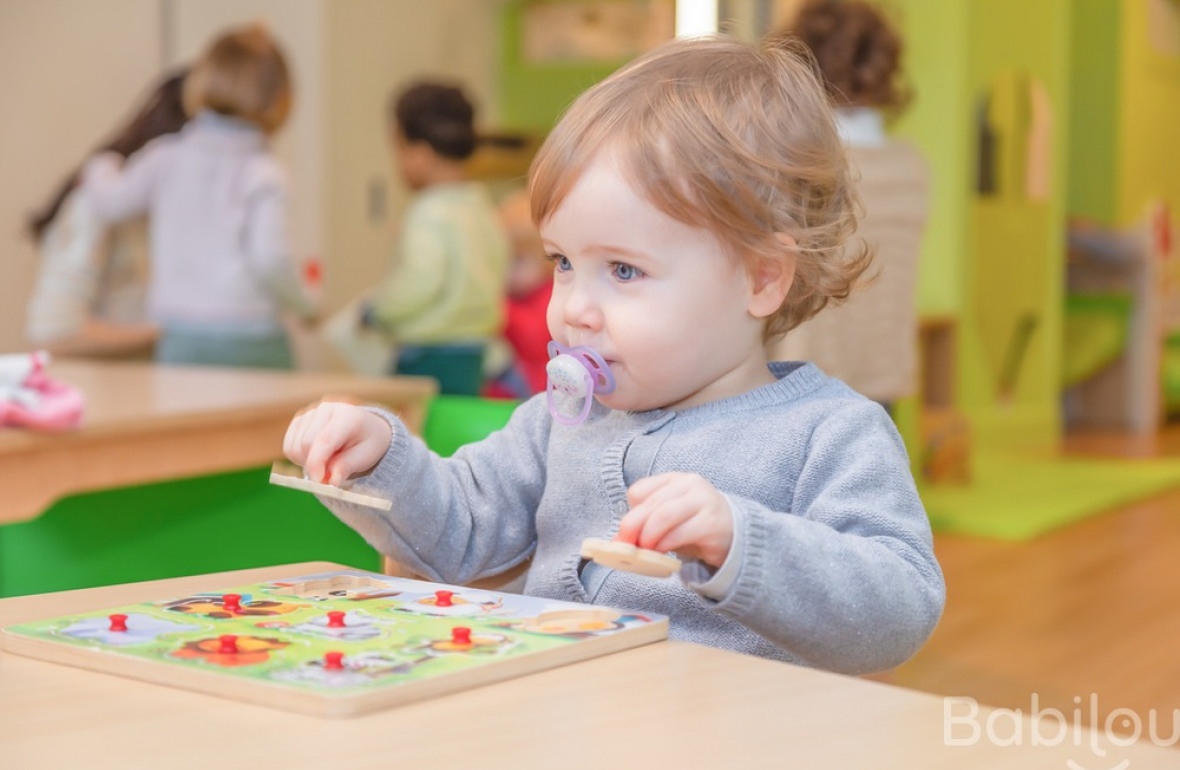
[394,640]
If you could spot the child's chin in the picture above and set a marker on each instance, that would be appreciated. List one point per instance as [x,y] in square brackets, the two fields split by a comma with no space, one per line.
[621,402]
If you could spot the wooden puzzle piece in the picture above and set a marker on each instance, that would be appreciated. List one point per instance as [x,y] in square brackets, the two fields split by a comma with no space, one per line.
[124,629]
[280,476]
[350,626]
[356,587]
[572,621]
[629,558]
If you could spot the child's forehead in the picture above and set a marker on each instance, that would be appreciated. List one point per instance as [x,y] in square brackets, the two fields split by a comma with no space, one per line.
[606,164]
[613,166]
[605,212]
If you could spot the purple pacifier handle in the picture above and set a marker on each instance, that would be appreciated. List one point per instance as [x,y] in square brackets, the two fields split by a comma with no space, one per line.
[596,377]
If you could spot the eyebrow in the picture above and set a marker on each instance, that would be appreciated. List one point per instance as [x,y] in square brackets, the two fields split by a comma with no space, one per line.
[600,249]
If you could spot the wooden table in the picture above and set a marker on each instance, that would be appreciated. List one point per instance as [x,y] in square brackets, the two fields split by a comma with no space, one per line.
[147,423]
[667,704]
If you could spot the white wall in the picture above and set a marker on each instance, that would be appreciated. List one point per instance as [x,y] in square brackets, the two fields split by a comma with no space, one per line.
[70,72]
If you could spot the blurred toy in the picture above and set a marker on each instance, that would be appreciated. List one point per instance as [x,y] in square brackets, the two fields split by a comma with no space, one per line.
[946,447]
[29,398]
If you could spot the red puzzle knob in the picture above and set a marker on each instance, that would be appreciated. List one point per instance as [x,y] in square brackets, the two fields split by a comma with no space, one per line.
[334,661]
[443,598]
[232,603]
[461,635]
[335,619]
[229,644]
[118,622]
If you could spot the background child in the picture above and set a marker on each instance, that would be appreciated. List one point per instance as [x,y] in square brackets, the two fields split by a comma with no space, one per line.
[443,302]
[217,200]
[871,341]
[693,203]
[91,279]
[530,284]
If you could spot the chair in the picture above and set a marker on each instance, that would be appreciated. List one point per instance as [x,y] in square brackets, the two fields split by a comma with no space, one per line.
[452,421]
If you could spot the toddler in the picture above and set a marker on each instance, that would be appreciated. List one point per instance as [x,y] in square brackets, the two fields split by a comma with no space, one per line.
[443,301]
[693,204]
[530,285]
[217,205]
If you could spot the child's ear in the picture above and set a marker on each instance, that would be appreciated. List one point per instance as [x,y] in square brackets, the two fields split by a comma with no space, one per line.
[771,276]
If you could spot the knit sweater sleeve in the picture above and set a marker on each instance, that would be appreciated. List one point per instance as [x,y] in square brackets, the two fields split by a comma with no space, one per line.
[849,582]
[461,518]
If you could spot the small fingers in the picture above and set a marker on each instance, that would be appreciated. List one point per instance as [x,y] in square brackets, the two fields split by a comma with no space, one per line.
[331,441]
[319,442]
[293,446]
[679,512]
[656,506]
[662,519]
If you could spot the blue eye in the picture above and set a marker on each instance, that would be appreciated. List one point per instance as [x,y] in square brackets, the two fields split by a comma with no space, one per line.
[625,272]
[560,262]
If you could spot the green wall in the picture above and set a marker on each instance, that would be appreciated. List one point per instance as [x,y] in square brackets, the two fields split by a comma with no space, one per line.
[533,96]
[1148,152]
[1094,109]
[994,262]
[938,122]
[1016,266]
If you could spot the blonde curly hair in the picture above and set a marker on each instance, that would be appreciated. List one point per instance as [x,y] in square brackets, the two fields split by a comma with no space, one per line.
[730,137]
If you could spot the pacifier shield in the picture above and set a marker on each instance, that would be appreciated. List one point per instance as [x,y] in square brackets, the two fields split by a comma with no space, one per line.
[578,372]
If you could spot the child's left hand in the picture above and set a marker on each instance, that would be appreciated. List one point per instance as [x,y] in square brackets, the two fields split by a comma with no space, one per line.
[679,512]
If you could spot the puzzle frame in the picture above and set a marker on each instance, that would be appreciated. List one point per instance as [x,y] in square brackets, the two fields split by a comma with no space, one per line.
[334,644]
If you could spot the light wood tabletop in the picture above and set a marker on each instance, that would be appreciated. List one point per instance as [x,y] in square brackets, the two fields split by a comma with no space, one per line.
[667,704]
[145,422]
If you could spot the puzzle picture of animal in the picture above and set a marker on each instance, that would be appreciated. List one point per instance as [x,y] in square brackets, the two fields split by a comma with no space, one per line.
[335,643]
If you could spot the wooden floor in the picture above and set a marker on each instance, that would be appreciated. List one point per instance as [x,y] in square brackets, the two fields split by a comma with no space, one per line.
[1087,617]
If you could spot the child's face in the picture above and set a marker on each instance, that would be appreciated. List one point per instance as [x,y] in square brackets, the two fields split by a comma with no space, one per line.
[414,160]
[659,300]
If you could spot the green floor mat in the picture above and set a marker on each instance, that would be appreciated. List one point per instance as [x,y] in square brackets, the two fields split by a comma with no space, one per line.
[1018,497]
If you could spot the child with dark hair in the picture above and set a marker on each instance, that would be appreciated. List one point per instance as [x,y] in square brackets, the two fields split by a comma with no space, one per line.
[89,295]
[439,115]
[222,269]
[442,304]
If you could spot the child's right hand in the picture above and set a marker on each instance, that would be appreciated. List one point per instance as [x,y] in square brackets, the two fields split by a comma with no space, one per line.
[333,441]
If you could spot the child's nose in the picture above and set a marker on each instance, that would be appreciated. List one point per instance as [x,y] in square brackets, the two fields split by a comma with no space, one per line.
[580,308]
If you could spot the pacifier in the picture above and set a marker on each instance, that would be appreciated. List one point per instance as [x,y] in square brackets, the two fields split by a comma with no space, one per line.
[578,372]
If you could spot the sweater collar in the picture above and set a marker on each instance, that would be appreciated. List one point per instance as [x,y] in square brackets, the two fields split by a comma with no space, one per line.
[793,380]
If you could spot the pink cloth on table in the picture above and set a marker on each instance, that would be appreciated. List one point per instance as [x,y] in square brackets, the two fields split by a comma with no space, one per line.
[30,398]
